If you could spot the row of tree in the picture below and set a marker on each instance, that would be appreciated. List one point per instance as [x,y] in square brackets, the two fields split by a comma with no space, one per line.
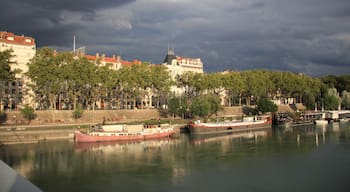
[62,80]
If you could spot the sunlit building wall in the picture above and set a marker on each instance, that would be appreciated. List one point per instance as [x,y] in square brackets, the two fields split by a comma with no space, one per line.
[24,49]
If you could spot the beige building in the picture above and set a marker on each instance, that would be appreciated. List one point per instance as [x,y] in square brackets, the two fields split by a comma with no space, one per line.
[115,62]
[24,49]
[180,65]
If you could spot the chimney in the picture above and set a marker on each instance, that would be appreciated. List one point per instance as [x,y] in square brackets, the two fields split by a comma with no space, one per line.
[97,55]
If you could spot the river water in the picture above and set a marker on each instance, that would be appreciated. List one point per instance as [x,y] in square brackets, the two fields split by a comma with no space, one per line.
[303,158]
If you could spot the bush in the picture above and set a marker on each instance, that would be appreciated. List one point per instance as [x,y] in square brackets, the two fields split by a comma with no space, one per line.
[28,113]
[266,105]
[78,112]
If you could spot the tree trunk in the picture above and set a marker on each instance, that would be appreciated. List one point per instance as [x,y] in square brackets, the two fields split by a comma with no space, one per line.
[134,101]
[75,103]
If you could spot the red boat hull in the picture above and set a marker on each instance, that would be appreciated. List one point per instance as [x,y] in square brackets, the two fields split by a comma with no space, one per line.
[81,137]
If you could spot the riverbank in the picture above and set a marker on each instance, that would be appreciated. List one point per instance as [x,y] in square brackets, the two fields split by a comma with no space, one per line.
[54,125]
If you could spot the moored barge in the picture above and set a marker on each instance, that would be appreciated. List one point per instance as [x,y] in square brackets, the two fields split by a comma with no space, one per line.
[125,133]
[248,123]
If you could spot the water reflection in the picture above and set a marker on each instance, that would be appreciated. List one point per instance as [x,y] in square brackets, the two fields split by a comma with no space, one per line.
[169,164]
[227,137]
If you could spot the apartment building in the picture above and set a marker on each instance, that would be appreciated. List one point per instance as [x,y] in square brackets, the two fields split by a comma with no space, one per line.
[15,93]
[179,65]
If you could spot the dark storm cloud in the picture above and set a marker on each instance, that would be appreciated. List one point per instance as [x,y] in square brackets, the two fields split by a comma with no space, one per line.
[45,19]
[73,5]
[309,36]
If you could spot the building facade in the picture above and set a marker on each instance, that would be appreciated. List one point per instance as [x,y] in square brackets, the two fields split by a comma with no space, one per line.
[179,65]
[115,62]
[16,93]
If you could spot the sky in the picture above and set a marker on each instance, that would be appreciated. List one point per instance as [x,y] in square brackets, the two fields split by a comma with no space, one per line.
[306,36]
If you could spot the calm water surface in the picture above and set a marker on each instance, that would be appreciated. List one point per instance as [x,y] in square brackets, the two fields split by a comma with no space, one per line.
[304,158]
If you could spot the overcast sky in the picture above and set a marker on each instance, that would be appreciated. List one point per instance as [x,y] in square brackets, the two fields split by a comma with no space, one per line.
[308,36]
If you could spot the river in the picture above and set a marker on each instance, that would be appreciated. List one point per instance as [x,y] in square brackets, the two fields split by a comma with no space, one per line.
[303,158]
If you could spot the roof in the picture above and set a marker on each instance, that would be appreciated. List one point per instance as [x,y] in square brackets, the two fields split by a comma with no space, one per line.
[11,38]
[90,57]
[169,57]
[110,59]
[113,60]
[129,63]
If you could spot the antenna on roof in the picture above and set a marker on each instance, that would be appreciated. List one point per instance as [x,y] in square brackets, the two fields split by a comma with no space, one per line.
[74,43]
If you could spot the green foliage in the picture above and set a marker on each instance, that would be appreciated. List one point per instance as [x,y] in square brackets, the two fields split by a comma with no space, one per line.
[193,83]
[265,105]
[235,85]
[174,106]
[60,76]
[71,81]
[341,83]
[215,103]
[179,106]
[331,102]
[200,107]
[5,61]
[332,99]
[206,106]
[28,113]
[345,100]
[309,100]
[78,112]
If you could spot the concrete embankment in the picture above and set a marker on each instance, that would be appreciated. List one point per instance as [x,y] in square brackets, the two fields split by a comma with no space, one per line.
[13,136]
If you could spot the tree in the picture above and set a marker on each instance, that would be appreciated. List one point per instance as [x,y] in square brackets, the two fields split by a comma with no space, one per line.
[46,76]
[215,103]
[78,112]
[6,74]
[206,106]
[309,100]
[341,83]
[193,83]
[160,82]
[28,113]
[346,100]
[331,102]
[174,106]
[331,99]
[266,105]
[200,107]
[5,68]
[235,85]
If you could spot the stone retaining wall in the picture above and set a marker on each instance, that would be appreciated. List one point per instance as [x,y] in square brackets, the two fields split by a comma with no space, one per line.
[98,116]
[13,136]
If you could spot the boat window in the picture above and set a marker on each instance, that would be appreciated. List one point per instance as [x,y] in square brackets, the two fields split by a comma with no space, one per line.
[230,128]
